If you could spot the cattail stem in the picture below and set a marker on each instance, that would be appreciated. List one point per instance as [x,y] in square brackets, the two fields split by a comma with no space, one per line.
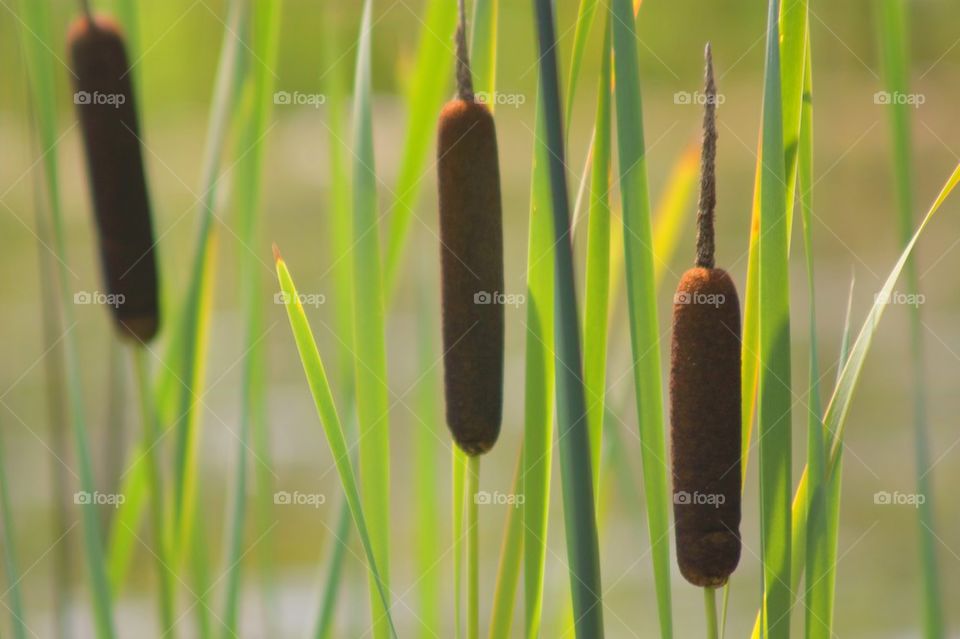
[708,180]
[464,76]
[86,9]
[710,610]
[473,548]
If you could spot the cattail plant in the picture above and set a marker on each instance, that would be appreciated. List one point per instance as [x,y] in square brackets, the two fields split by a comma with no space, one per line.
[108,117]
[471,239]
[705,394]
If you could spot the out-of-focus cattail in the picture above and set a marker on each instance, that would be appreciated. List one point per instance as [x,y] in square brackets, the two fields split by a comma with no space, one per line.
[471,249]
[108,118]
[705,395]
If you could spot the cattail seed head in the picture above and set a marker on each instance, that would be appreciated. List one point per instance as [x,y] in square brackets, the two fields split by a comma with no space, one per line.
[705,394]
[108,117]
[705,425]
[471,237]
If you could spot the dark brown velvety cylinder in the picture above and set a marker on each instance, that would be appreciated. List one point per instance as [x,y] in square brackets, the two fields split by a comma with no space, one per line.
[471,236]
[108,117]
[705,425]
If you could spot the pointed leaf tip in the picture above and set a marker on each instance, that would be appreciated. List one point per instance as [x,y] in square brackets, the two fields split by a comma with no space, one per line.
[276,253]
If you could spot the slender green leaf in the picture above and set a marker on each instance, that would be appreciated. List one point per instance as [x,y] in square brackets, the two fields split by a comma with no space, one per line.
[585,15]
[842,396]
[35,34]
[425,94]
[483,47]
[793,46]
[17,615]
[264,49]
[895,58]
[511,560]
[576,475]
[539,386]
[330,420]
[641,298]
[596,303]
[190,331]
[369,337]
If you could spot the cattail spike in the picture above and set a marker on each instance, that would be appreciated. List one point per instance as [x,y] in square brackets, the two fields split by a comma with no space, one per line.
[108,120]
[708,180]
[464,76]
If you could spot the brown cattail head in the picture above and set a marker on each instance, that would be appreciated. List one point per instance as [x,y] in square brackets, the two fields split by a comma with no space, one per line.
[705,425]
[108,118]
[705,396]
[471,237]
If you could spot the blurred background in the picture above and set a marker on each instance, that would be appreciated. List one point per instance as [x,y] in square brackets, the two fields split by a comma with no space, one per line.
[855,237]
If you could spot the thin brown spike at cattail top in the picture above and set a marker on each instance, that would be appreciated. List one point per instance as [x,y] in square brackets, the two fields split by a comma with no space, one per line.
[705,396]
[108,118]
[471,238]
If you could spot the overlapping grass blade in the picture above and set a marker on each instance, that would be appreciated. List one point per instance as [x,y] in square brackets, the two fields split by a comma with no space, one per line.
[793,46]
[775,397]
[329,419]
[369,337]
[895,60]
[264,48]
[11,570]
[483,46]
[824,492]
[34,34]
[839,405]
[508,570]
[428,85]
[576,476]
[597,290]
[427,476]
[585,15]
[539,381]
[181,382]
[335,84]
[644,330]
